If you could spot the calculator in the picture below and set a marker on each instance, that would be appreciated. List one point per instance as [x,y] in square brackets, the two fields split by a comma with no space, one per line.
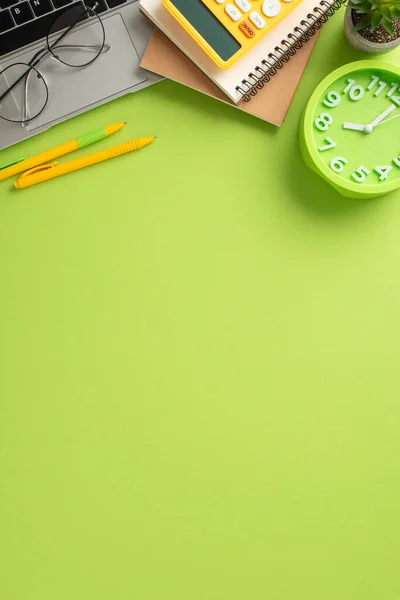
[227,29]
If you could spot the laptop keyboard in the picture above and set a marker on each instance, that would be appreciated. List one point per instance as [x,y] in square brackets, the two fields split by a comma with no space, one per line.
[25,21]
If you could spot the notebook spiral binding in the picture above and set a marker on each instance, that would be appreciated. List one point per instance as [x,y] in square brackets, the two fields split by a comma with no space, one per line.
[287,48]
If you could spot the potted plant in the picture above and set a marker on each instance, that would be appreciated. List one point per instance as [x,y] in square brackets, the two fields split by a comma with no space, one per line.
[373,25]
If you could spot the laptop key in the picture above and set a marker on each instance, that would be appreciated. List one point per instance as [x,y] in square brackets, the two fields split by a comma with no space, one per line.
[60,3]
[29,32]
[6,21]
[41,7]
[7,3]
[112,3]
[100,5]
[21,13]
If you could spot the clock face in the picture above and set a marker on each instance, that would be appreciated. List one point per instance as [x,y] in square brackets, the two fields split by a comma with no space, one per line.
[353,123]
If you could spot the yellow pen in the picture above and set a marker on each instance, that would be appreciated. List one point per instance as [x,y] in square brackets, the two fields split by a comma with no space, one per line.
[46,172]
[80,142]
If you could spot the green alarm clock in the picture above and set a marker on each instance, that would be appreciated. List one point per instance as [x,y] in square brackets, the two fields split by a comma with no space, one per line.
[349,132]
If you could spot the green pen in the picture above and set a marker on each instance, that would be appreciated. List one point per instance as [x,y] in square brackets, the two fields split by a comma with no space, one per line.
[11,164]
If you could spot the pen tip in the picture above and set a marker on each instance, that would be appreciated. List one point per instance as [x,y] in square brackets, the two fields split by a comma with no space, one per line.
[155,136]
[125,122]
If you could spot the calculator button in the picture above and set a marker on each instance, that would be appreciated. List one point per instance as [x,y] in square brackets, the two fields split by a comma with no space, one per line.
[247,29]
[257,20]
[271,8]
[232,12]
[243,5]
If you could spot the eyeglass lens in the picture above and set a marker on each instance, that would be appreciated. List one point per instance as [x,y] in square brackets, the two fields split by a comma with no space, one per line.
[72,45]
[28,96]
[71,42]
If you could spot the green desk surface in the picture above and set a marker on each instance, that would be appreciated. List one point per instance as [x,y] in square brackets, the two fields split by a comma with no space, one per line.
[199,353]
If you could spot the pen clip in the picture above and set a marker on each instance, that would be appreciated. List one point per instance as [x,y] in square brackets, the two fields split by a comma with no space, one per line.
[11,164]
[38,169]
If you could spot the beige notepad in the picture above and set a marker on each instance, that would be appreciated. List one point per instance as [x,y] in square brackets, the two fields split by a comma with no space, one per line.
[271,102]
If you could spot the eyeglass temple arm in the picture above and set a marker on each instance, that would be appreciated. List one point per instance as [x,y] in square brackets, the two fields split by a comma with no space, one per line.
[25,114]
[94,47]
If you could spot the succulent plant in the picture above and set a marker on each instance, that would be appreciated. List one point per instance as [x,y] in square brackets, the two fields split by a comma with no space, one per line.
[376,12]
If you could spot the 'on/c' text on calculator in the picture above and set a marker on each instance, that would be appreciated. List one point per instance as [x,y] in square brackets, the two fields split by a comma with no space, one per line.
[227,29]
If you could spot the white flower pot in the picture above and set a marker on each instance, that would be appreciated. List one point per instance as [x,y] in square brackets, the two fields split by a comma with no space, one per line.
[359,42]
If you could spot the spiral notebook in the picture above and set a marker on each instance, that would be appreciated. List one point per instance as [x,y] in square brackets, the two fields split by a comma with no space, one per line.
[255,69]
[270,104]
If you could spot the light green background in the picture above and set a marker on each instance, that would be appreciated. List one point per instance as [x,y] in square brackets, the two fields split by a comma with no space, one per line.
[199,361]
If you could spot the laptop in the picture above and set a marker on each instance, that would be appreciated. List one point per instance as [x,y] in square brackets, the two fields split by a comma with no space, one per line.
[24,31]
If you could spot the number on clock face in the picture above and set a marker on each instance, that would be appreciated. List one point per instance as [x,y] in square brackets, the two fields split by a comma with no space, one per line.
[337,164]
[360,174]
[332,99]
[383,93]
[356,92]
[329,144]
[323,121]
[381,86]
[383,172]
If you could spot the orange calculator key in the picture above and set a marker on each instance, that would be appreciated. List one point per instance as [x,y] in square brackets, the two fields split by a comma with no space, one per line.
[247,29]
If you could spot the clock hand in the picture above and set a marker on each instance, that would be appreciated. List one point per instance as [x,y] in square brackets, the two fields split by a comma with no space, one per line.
[368,128]
[380,117]
[354,126]
[391,119]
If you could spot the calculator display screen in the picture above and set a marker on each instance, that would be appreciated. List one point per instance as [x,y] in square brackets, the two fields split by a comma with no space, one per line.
[208,26]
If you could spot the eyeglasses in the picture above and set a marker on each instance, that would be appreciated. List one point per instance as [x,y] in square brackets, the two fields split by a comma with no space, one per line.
[24,92]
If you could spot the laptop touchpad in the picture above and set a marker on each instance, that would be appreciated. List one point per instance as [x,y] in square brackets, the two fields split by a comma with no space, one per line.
[71,89]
